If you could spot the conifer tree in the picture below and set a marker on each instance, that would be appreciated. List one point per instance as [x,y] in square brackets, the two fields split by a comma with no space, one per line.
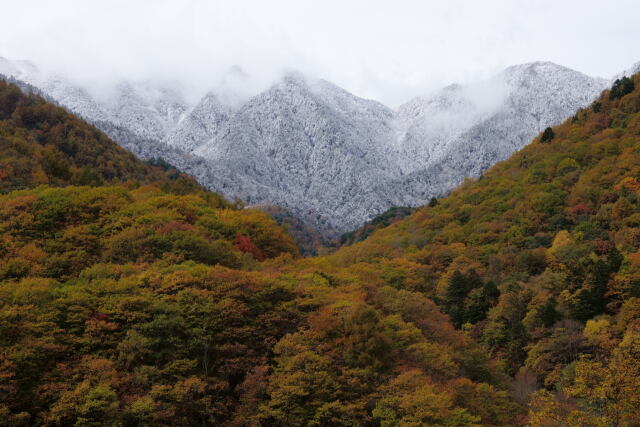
[621,87]
[547,135]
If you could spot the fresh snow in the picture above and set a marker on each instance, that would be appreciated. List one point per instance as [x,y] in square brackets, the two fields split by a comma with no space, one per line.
[331,158]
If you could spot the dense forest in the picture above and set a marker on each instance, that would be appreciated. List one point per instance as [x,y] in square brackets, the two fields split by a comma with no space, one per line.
[385,219]
[538,261]
[129,296]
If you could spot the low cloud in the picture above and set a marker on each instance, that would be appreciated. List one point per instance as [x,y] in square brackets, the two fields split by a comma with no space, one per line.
[389,51]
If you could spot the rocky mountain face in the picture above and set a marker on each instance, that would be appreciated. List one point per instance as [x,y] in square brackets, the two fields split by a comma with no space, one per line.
[330,158]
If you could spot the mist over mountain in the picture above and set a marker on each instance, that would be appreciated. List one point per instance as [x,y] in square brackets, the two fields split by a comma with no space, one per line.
[331,158]
[515,106]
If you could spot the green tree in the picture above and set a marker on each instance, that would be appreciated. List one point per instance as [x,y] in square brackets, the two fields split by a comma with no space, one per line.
[621,87]
[547,135]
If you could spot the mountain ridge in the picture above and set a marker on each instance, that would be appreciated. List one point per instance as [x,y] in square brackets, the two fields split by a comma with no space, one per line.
[282,146]
[515,300]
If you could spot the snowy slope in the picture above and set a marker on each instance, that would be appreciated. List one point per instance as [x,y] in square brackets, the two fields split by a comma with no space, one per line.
[635,68]
[333,159]
[531,97]
[200,124]
[146,111]
[306,145]
[57,88]
[428,125]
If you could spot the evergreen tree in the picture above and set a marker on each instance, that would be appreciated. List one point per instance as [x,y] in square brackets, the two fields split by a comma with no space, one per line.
[491,292]
[548,313]
[621,87]
[585,303]
[479,301]
[547,135]
[458,306]
[456,293]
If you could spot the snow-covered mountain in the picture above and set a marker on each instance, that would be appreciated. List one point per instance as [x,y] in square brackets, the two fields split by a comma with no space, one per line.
[635,68]
[513,107]
[200,124]
[330,157]
[146,111]
[335,159]
[494,119]
[305,145]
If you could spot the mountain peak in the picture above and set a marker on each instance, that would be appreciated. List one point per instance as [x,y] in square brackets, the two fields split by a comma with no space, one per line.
[295,76]
[330,157]
[538,67]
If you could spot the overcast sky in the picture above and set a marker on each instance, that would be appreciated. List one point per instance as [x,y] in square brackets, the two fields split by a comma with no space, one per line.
[387,50]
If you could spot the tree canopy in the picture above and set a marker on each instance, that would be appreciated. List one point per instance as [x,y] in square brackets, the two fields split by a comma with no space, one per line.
[127,300]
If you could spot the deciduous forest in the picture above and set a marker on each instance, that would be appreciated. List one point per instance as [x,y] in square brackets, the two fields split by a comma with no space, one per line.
[131,296]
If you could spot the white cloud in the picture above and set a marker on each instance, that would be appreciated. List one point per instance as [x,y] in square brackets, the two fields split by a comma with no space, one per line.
[387,50]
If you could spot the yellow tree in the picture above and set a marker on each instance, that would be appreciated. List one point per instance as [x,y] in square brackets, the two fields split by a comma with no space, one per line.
[610,393]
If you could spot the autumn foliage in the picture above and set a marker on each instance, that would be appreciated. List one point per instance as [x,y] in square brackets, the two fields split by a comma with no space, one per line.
[556,229]
[131,301]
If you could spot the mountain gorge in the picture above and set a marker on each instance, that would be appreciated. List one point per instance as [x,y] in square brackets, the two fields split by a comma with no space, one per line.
[129,296]
[330,158]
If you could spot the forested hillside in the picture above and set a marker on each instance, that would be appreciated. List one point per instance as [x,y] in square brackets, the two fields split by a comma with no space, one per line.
[44,144]
[539,262]
[385,219]
[514,301]
[128,300]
